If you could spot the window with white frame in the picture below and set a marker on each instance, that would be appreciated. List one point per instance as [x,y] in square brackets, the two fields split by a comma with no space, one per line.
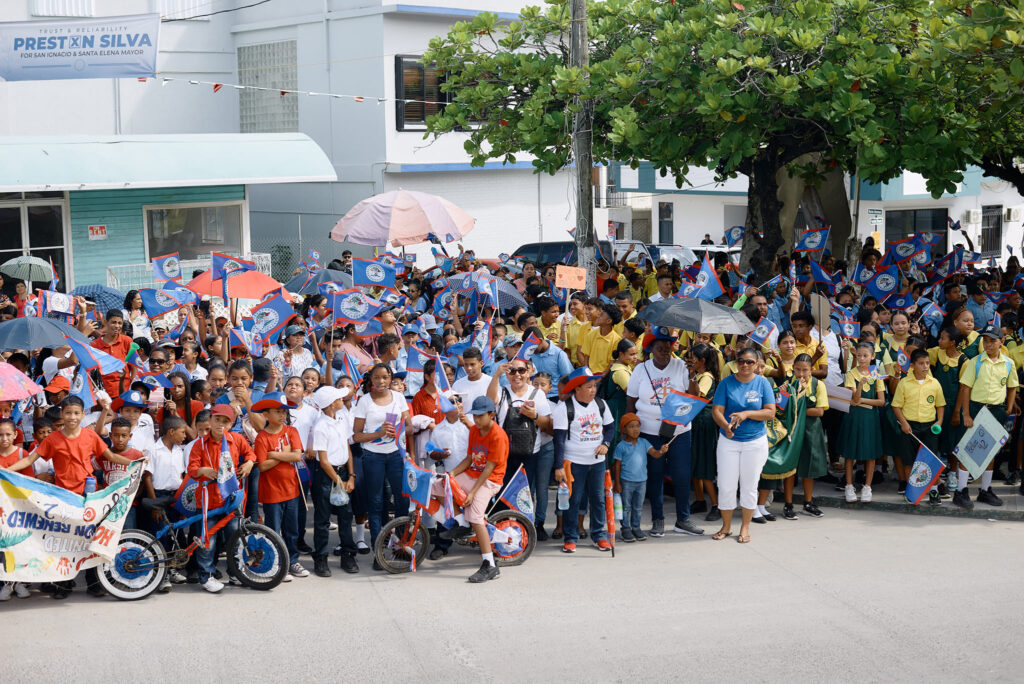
[194,230]
[273,66]
[62,8]
[33,224]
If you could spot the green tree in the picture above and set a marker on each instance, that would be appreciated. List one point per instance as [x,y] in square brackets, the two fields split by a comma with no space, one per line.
[740,86]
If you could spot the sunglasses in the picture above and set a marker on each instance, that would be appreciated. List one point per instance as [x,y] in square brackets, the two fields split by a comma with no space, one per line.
[745,362]
[520,371]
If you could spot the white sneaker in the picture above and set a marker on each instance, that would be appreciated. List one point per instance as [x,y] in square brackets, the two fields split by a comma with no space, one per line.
[287,578]
[6,590]
[865,494]
[296,570]
[851,494]
[212,585]
[165,585]
[333,526]
[20,590]
[176,577]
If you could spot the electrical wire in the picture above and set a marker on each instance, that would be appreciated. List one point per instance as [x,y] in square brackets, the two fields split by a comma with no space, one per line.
[223,11]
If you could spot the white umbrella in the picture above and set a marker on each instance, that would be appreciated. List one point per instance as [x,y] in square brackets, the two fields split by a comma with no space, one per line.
[402,217]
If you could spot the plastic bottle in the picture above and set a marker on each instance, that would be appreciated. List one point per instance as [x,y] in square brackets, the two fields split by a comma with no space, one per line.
[618,506]
[90,485]
[563,496]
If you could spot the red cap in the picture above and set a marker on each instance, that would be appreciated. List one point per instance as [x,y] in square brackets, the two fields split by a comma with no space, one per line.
[222,410]
[59,384]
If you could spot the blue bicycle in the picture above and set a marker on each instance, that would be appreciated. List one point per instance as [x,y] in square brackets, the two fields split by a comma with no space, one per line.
[256,555]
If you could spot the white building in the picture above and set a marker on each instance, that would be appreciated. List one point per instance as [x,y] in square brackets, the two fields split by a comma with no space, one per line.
[360,48]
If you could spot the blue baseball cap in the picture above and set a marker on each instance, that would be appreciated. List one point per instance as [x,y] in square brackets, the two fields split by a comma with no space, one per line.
[482,405]
[579,377]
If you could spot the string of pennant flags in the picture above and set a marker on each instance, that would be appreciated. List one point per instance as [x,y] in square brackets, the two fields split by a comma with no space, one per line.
[217,87]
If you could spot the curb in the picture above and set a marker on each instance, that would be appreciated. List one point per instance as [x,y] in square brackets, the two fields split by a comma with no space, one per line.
[946,509]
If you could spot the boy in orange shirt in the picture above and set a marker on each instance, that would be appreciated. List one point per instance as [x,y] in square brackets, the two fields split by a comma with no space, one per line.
[480,475]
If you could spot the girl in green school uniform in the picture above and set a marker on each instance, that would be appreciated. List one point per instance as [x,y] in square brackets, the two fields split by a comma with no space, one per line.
[813,460]
[702,362]
[946,361]
[860,438]
[963,321]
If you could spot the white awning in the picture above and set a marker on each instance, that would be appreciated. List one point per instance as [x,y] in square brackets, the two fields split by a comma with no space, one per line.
[81,162]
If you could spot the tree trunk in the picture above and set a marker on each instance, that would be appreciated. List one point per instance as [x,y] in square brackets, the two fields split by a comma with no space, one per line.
[763,237]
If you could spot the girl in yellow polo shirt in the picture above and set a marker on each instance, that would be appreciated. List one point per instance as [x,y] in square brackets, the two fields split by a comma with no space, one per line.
[860,438]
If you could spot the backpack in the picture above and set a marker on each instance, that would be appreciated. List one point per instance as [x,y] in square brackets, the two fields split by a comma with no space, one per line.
[570,409]
[522,432]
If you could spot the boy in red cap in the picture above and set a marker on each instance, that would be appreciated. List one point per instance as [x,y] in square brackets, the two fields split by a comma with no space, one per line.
[203,463]
[630,470]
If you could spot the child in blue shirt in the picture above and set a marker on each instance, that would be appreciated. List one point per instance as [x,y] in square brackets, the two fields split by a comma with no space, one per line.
[630,467]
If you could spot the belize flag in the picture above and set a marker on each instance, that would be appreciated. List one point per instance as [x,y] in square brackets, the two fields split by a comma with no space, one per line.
[734,235]
[222,264]
[416,358]
[679,408]
[902,360]
[371,328]
[185,499]
[133,359]
[762,331]
[54,280]
[923,476]
[884,283]
[812,240]
[903,249]
[353,306]
[440,377]
[56,302]
[947,265]
[393,260]
[227,481]
[818,275]
[442,261]
[369,273]
[517,494]
[687,289]
[862,274]
[158,302]
[849,329]
[998,298]
[783,399]
[155,380]
[350,367]
[90,357]
[270,317]
[529,346]
[179,329]
[708,282]
[416,483]
[933,312]
[488,285]
[167,268]
[81,387]
[903,301]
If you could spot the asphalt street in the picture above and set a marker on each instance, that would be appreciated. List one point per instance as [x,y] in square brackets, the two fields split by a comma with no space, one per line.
[855,596]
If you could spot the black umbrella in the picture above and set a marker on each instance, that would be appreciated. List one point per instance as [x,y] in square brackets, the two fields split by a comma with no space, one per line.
[308,283]
[32,332]
[697,315]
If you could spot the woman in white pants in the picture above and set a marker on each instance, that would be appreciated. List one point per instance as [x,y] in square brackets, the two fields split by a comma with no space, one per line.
[742,404]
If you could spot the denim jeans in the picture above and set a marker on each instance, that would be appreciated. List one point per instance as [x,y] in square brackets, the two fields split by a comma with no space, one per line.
[252,493]
[632,503]
[359,503]
[587,480]
[283,518]
[322,510]
[675,464]
[207,558]
[377,468]
[539,486]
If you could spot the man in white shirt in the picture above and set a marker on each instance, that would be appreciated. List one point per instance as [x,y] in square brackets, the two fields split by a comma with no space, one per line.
[648,387]
[335,468]
[664,288]
[584,428]
[476,382]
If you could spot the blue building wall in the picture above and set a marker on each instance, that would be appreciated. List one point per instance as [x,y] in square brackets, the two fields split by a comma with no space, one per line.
[121,212]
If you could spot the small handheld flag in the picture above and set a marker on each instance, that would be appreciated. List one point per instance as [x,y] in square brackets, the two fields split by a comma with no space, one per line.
[81,387]
[368,273]
[884,282]
[167,268]
[227,481]
[158,302]
[54,280]
[680,408]
[762,331]
[517,494]
[90,357]
[416,483]
[902,360]
[783,399]
[270,317]
[812,240]
[849,329]
[708,281]
[923,476]
[862,274]
[529,347]
[734,235]
[903,301]
[222,264]
[155,380]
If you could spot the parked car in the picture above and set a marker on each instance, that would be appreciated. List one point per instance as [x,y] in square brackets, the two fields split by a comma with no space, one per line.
[563,252]
[667,253]
[733,252]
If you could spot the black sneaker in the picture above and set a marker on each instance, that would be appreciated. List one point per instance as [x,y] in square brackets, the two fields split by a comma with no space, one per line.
[304,548]
[377,566]
[348,563]
[1013,478]
[934,498]
[787,512]
[460,532]
[541,534]
[337,550]
[713,515]
[987,496]
[687,527]
[437,553]
[811,509]
[320,568]
[943,490]
[962,499]
[769,516]
[486,572]
[698,507]
[98,591]
[901,488]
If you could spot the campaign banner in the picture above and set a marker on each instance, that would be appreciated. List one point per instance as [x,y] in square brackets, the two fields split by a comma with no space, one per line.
[104,47]
[48,534]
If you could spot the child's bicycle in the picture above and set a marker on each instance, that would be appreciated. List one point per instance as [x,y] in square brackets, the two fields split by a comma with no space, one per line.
[404,542]
[256,555]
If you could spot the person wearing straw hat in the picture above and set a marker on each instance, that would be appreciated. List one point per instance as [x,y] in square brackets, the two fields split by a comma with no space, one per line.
[584,429]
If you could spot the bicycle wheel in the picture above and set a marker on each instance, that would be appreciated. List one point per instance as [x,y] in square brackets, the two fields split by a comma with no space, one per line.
[523,533]
[136,570]
[257,556]
[389,552]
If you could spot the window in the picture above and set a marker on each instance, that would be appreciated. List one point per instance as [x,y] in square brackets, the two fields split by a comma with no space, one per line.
[421,85]
[665,229]
[273,66]
[32,224]
[905,222]
[992,230]
[194,230]
[62,8]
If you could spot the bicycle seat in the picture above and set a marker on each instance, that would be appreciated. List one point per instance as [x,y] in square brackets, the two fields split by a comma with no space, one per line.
[160,503]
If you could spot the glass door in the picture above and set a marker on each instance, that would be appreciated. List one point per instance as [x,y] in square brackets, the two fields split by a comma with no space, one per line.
[33,224]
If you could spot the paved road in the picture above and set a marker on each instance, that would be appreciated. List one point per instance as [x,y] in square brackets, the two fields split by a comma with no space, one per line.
[853,596]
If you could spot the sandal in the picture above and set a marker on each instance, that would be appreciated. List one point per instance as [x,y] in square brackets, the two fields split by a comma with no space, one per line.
[743,539]
[720,535]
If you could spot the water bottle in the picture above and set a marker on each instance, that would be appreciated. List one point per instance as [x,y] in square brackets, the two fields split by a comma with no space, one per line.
[618,506]
[563,496]
[90,486]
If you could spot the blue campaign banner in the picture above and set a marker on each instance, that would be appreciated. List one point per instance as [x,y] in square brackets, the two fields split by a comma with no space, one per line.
[106,47]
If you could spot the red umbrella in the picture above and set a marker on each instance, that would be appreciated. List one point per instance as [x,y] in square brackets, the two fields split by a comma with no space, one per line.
[247,285]
[15,385]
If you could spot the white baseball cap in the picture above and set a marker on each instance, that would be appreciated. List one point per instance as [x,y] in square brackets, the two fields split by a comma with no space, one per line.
[327,395]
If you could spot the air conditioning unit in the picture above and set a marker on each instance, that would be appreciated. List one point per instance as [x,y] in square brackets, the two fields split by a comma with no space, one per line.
[1013,214]
[972,216]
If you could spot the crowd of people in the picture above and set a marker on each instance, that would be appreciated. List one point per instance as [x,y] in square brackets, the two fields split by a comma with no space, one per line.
[565,385]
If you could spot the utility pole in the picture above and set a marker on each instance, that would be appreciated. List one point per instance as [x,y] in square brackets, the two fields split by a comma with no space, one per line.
[582,138]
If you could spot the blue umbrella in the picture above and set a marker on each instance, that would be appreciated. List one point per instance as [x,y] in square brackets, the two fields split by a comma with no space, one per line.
[32,332]
[306,284]
[106,298]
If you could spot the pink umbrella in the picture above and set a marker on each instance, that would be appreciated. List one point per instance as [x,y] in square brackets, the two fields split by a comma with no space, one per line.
[402,217]
[15,385]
